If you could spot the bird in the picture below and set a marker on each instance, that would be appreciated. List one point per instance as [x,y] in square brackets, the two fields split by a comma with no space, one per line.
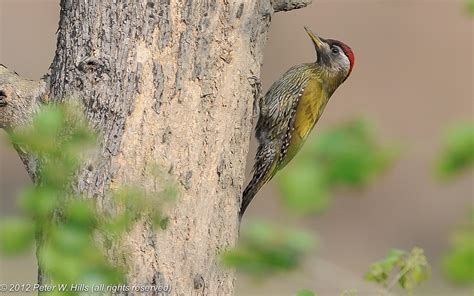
[291,108]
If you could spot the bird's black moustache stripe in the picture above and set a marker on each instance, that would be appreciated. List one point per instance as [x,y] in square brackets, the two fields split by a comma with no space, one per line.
[323,59]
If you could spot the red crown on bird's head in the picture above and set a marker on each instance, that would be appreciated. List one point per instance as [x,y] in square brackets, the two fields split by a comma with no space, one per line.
[347,51]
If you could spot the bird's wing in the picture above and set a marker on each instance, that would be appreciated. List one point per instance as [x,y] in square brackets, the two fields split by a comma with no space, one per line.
[278,105]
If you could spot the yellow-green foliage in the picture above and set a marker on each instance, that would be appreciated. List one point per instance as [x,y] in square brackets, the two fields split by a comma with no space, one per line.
[457,154]
[63,222]
[67,225]
[346,155]
[406,269]
[16,235]
[305,292]
[470,6]
[265,249]
[458,264]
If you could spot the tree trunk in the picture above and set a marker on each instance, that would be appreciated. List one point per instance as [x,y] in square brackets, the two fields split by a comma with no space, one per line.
[170,83]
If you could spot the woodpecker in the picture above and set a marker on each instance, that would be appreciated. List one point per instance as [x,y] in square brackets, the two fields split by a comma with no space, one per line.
[291,108]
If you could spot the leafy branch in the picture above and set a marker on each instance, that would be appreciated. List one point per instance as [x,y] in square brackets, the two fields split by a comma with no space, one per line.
[458,263]
[265,249]
[457,154]
[71,233]
[406,269]
[345,155]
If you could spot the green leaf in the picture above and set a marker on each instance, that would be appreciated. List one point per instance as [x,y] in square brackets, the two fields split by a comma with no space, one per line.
[39,202]
[81,214]
[414,269]
[265,249]
[457,155]
[16,235]
[304,188]
[379,271]
[70,240]
[392,259]
[350,155]
[470,6]
[458,263]
[305,292]
[408,269]
[377,274]
[72,234]
[346,155]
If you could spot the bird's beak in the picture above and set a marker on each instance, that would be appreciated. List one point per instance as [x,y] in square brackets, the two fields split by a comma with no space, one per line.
[318,43]
[316,40]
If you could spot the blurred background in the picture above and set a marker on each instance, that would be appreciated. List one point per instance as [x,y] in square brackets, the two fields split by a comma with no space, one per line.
[413,80]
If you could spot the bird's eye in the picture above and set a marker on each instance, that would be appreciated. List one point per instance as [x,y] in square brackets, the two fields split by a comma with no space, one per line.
[334,51]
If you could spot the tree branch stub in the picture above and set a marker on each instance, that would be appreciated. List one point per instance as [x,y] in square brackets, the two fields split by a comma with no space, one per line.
[19,98]
[287,5]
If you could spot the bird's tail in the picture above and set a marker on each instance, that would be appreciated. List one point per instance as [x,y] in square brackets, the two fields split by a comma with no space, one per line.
[263,171]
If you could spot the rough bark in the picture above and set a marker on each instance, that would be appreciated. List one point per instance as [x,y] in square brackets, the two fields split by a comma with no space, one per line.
[170,83]
[19,100]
